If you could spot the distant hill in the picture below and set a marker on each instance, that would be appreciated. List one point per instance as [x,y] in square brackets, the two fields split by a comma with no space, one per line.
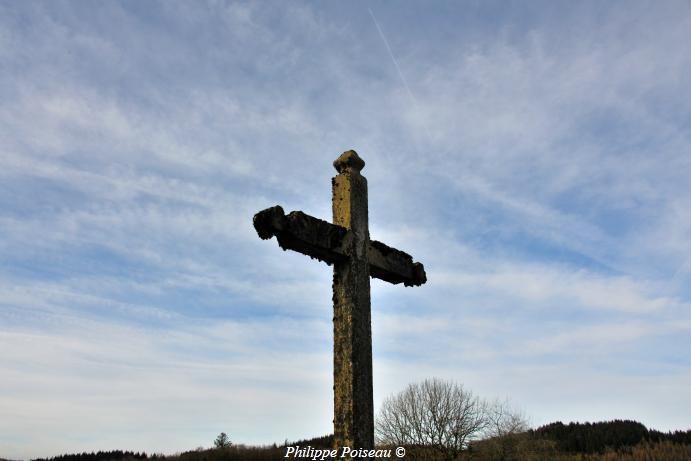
[617,440]
[234,452]
[599,437]
[113,455]
[603,441]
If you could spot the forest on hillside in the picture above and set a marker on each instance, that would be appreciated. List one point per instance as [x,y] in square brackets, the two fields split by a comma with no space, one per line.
[602,441]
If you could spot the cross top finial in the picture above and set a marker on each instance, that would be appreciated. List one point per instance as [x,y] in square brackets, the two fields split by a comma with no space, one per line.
[349,160]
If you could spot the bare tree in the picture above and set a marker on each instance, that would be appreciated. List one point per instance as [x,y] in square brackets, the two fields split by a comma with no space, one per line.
[504,434]
[504,420]
[433,413]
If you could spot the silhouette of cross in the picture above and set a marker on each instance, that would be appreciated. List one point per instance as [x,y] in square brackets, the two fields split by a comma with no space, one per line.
[346,245]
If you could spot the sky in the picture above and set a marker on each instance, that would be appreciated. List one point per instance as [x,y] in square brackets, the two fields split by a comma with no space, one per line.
[535,156]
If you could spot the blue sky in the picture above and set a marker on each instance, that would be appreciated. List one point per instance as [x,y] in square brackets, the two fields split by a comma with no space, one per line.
[534,156]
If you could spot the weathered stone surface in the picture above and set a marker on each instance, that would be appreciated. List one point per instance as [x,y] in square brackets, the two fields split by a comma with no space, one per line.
[329,243]
[349,160]
[346,245]
[303,233]
[394,266]
[353,398]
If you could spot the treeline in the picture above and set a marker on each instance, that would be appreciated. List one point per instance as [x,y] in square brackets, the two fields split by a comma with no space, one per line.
[98,456]
[603,436]
[605,441]
[242,452]
[237,452]
[323,442]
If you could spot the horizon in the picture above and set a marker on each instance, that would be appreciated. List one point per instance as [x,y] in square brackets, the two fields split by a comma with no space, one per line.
[534,157]
[286,443]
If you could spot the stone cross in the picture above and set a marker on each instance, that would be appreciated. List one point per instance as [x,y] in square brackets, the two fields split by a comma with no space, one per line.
[346,245]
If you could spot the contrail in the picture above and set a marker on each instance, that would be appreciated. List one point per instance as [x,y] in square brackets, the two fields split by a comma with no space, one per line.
[398,69]
[393,58]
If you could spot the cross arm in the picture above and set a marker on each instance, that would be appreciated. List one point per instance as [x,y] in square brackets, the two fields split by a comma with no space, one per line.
[330,243]
[394,266]
[300,232]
